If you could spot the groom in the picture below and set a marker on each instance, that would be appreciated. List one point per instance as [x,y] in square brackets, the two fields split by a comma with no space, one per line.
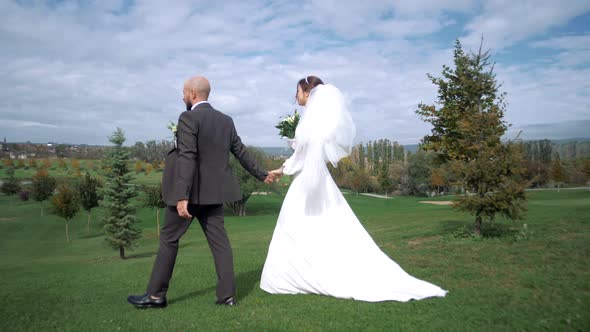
[197,180]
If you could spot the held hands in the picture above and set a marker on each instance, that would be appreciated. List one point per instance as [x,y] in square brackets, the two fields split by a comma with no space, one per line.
[274,176]
[182,208]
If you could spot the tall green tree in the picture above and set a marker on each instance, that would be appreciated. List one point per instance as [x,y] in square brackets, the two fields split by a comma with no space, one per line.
[43,186]
[248,184]
[120,221]
[138,151]
[359,180]
[370,156]
[361,156]
[385,182]
[419,170]
[466,132]
[11,185]
[66,205]
[88,191]
[153,199]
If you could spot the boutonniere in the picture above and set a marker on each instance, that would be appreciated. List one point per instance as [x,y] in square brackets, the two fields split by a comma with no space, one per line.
[173,129]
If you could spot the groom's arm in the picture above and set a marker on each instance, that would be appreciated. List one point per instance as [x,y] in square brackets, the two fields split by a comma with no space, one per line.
[187,155]
[239,150]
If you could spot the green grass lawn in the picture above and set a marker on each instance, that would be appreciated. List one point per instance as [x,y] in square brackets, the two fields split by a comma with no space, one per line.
[511,279]
[25,174]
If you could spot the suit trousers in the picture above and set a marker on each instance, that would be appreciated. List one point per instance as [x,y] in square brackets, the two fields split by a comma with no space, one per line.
[211,219]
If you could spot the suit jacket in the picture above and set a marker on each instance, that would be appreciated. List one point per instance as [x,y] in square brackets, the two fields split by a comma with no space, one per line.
[197,169]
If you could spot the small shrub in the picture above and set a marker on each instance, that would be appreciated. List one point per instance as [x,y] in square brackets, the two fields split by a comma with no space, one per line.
[23,195]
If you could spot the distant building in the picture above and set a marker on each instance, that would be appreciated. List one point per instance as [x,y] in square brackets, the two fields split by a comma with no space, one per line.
[18,155]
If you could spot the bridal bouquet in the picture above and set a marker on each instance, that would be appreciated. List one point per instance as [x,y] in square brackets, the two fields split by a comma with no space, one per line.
[288,125]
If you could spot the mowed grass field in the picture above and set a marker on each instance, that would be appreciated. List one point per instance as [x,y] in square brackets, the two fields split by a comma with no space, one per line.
[514,278]
[141,178]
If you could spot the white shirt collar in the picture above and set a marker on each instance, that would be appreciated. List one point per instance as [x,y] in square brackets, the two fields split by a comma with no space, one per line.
[199,103]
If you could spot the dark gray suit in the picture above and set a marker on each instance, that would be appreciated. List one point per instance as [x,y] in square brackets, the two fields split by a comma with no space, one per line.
[198,170]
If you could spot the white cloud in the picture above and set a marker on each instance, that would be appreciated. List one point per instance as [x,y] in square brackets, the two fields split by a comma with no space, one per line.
[431,7]
[90,67]
[573,50]
[506,22]
[565,43]
[21,124]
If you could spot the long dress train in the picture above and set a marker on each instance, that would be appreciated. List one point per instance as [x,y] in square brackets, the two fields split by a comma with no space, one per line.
[319,246]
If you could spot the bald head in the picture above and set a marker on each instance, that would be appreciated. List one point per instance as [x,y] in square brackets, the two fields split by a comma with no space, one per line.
[198,85]
[196,89]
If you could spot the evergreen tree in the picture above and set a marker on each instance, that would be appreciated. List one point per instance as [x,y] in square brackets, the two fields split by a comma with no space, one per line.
[467,131]
[66,205]
[88,191]
[43,186]
[120,229]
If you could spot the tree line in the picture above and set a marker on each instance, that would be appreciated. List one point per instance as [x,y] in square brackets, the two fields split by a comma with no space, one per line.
[385,167]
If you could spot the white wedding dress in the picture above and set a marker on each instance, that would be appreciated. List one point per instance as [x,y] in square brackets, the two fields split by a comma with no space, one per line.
[319,246]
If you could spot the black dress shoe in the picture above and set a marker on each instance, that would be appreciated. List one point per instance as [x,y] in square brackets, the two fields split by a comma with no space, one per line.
[230,301]
[145,301]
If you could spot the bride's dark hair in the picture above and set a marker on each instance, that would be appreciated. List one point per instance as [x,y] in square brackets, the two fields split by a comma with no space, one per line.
[309,82]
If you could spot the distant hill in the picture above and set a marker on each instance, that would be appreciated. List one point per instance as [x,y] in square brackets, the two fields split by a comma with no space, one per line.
[569,140]
[411,147]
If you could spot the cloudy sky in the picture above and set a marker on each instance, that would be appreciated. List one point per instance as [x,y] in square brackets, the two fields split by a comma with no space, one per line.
[73,71]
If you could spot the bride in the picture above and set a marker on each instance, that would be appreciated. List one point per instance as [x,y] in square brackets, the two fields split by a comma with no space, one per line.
[319,246]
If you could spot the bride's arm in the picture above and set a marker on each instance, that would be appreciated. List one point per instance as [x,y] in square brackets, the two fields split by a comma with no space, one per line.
[294,163]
